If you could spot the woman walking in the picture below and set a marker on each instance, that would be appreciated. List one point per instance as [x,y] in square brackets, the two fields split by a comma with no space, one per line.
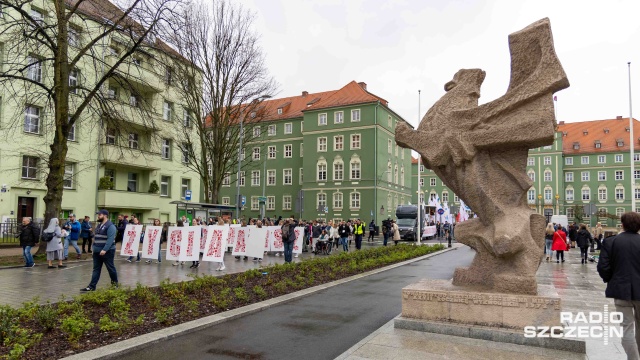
[559,245]
[583,240]
[548,241]
[55,247]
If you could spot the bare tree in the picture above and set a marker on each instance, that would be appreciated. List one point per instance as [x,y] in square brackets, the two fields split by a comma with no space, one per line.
[49,47]
[224,84]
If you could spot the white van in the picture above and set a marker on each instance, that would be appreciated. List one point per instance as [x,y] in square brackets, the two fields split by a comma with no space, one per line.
[560,219]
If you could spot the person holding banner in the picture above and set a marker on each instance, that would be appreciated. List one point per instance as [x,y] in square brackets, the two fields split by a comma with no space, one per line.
[104,250]
[135,221]
[163,237]
[180,223]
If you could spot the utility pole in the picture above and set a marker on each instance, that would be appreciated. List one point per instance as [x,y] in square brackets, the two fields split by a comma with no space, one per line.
[631,147]
[419,232]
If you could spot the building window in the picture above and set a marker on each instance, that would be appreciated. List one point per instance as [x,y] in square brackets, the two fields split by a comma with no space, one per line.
[32,119]
[355,200]
[288,128]
[111,174]
[432,182]
[568,194]
[389,146]
[256,131]
[402,175]
[255,178]
[186,115]
[271,152]
[322,200]
[547,160]
[322,172]
[421,182]
[322,119]
[355,141]
[166,149]
[132,182]
[602,176]
[168,76]
[619,193]
[568,161]
[570,213]
[256,153]
[242,154]
[422,169]
[271,130]
[338,117]
[271,177]
[531,195]
[73,81]
[226,179]
[255,205]
[288,151]
[301,126]
[29,167]
[338,171]
[68,176]
[619,158]
[547,195]
[636,194]
[619,212]
[286,202]
[37,15]
[337,200]
[602,194]
[287,176]
[165,182]
[355,169]
[271,202]
[568,177]
[586,194]
[34,70]
[338,143]
[134,100]
[395,174]
[585,176]
[636,157]
[636,174]
[532,175]
[322,144]
[241,179]
[167,109]
[601,159]
[133,141]
[389,120]
[301,176]
[111,137]
[301,149]
[547,175]
[531,161]
[445,197]
[185,186]
[226,200]
[355,115]
[584,160]
[72,132]
[186,149]
[619,175]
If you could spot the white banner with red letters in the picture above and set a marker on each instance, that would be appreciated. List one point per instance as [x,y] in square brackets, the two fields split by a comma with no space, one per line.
[151,243]
[131,240]
[174,242]
[215,243]
[240,245]
[190,248]
[233,234]
[274,239]
[297,246]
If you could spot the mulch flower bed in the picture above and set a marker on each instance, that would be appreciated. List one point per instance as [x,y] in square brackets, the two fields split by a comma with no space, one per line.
[99,318]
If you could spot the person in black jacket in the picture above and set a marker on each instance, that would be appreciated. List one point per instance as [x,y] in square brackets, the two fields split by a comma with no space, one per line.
[619,267]
[29,235]
[122,224]
[343,232]
[288,238]
[573,232]
[583,240]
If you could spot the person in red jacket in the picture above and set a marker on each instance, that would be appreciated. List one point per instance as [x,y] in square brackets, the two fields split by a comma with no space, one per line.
[559,244]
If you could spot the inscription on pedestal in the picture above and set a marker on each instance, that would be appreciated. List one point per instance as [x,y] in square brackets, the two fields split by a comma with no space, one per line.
[483,299]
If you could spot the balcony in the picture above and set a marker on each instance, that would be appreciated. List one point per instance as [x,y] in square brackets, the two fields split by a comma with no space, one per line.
[135,158]
[128,200]
[141,118]
[140,76]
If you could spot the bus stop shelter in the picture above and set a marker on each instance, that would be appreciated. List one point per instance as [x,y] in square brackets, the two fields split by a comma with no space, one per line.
[194,210]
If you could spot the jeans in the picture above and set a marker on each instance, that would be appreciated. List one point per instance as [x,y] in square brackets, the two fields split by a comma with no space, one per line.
[630,318]
[547,247]
[386,238]
[74,243]
[28,258]
[358,241]
[107,260]
[345,243]
[160,253]
[288,251]
[86,241]
[584,252]
[137,258]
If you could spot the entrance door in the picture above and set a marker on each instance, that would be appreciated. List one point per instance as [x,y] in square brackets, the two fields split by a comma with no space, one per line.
[25,207]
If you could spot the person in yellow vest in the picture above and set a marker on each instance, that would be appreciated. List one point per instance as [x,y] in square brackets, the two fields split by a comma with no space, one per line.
[358,231]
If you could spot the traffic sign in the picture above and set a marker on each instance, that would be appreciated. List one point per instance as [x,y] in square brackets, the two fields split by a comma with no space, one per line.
[187,195]
[440,211]
[244,200]
[326,209]
[262,198]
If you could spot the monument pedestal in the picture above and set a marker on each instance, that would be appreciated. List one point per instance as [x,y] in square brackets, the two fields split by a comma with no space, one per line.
[438,306]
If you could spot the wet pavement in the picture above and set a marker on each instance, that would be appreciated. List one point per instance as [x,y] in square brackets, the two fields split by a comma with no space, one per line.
[319,326]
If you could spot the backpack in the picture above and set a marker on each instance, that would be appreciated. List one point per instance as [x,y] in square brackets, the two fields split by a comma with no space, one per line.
[285,232]
[47,237]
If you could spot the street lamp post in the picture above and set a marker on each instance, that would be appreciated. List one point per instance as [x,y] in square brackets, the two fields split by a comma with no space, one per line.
[557,204]
[540,207]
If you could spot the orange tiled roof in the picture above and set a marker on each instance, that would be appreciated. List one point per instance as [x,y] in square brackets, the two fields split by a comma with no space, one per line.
[605,132]
[414,160]
[350,94]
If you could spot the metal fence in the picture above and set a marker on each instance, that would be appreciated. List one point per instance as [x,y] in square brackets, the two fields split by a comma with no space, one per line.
[10,229]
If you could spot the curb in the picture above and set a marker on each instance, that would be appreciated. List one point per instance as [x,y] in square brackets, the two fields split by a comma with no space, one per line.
[140,342]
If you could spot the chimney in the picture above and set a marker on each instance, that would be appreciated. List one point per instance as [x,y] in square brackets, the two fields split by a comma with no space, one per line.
[305,93]
[561,122]
[619,117]
[363,85]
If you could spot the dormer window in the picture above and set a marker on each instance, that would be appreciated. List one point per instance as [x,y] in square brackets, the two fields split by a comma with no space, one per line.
[626,128]
[606,130]
[585,132]
[279,111]
[620,142]
[597,144]
[564,133]
[576,146]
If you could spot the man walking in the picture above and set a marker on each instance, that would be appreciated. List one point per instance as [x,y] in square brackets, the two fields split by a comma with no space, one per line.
[29,234]
[122,224]
[358,231]
[288,238]
[343,232]
[619,267]
[86,234]
[372,231]
[73,227]
[104,250]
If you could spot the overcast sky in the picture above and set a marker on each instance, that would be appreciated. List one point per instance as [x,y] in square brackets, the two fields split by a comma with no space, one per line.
[400,46]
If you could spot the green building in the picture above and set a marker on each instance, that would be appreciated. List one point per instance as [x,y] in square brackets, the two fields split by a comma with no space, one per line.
[336,146]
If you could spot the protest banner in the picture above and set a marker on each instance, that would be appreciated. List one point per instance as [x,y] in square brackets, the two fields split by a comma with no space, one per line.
[240,246]
[151,243]
[131,240]
[190,248]
[216,243]
[297,245]
[255,242]
[174,242]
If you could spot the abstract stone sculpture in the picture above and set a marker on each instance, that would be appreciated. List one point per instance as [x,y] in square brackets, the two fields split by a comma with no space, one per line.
[480,153]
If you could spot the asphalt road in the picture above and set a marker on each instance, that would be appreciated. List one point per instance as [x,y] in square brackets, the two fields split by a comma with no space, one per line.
[320,326]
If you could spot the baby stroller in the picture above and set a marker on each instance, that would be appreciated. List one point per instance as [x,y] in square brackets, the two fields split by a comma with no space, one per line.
[323,246]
